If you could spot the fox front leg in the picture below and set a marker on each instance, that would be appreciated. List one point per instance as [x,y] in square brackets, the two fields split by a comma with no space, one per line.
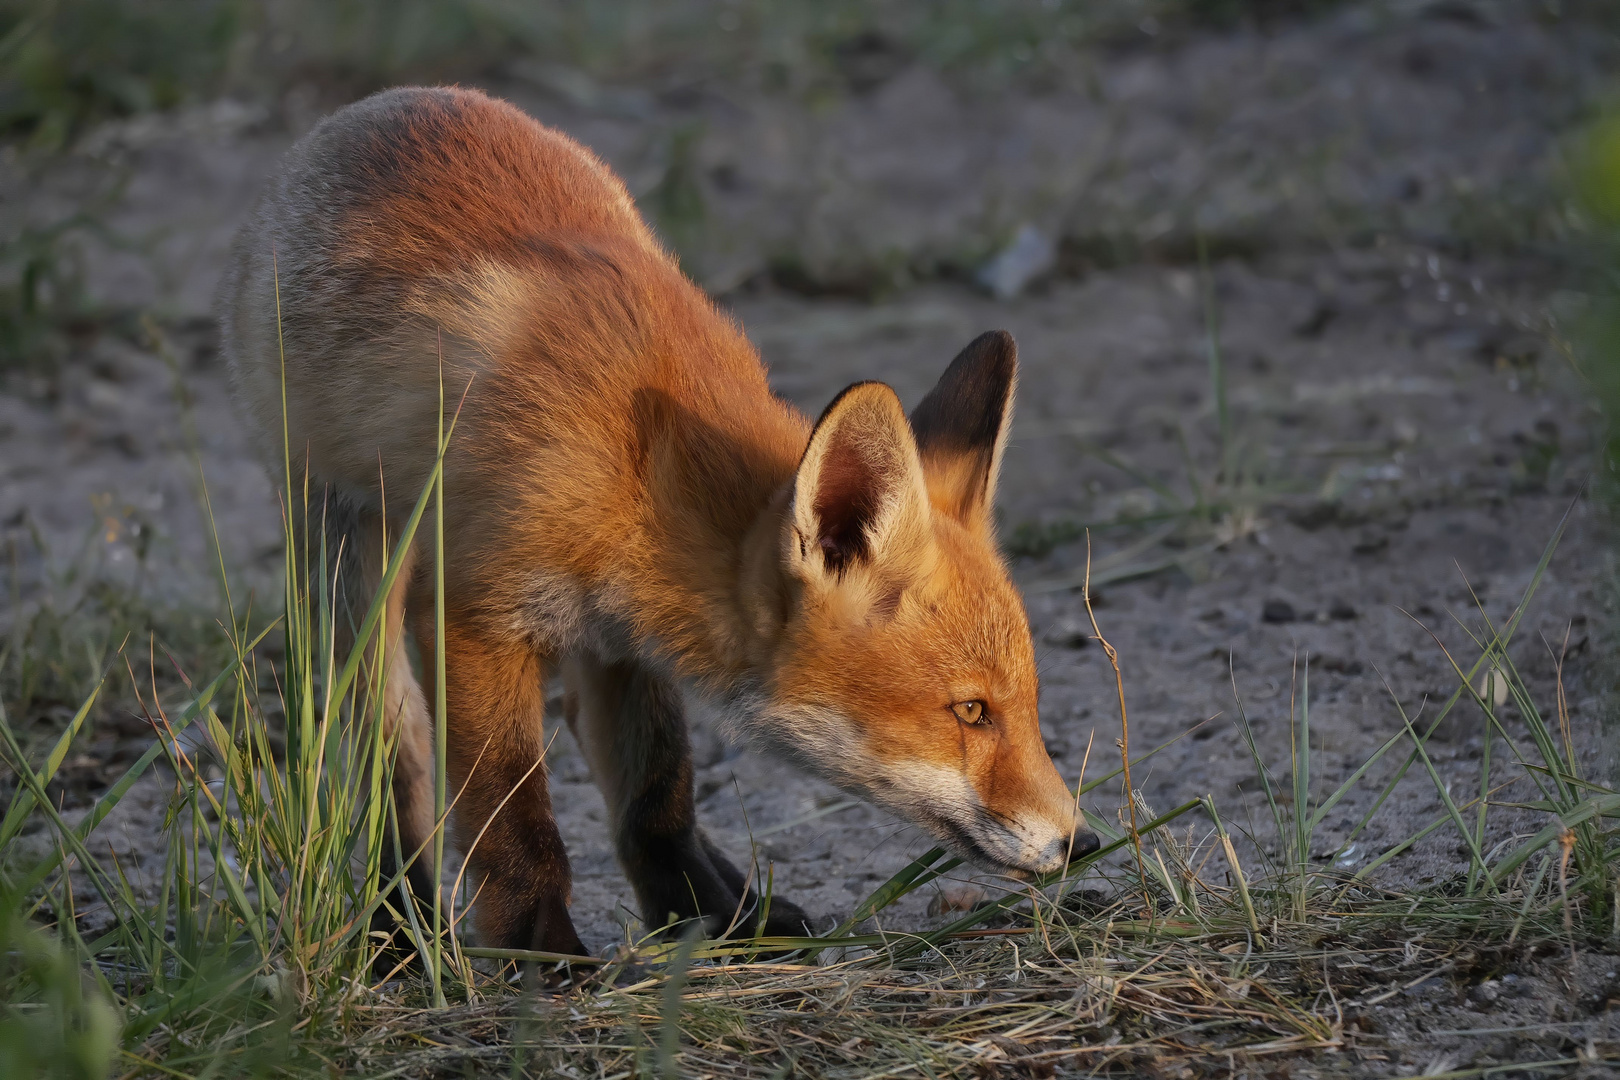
[495,693]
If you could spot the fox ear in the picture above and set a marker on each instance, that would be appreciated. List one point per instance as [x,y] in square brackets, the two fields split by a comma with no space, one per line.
[961,426]
[859,494]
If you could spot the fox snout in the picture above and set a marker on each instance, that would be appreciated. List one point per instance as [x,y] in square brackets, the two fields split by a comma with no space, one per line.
[1065,850]
[1025,848]
[1036,838]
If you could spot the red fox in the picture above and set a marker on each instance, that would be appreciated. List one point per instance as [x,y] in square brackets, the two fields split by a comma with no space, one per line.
[628,505]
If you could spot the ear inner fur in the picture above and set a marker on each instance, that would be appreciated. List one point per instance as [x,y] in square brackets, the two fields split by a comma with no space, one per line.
[961,426]
[848,499]
[859,485]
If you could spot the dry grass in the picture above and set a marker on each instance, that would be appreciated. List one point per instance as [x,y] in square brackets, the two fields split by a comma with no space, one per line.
[1064,992]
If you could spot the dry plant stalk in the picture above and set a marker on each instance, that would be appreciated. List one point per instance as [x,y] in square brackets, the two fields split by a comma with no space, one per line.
[1566,845]
[1124,725]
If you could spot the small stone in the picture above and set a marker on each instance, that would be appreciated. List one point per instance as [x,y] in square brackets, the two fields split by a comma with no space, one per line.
[1069,633]
[1486,992]
[956,898]
[1369,544]
[1341,609]
[1428,988]
[1278,611]
[1314,515]
[1030,254]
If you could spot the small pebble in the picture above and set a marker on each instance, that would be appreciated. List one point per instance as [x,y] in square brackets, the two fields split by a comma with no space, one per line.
[1278,611]
[1341,609]
[1069,633]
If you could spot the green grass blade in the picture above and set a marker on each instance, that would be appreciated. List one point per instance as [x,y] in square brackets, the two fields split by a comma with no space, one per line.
[23,803]
[1579,815]
[669,1018]
[1302,781]
[1260,768]
[1476,859]
[115,794]
[374,614]
[440,708]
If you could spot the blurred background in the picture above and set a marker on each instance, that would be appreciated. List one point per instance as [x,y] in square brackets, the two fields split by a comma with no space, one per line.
[850,148]
[1311,298]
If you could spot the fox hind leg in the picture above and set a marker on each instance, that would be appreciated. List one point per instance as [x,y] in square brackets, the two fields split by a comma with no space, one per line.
[356,541]
[630,724]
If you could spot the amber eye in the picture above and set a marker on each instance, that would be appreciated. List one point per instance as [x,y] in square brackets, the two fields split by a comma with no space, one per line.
[971,712]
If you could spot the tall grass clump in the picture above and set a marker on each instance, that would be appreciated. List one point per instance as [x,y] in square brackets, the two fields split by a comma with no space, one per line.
[276,837]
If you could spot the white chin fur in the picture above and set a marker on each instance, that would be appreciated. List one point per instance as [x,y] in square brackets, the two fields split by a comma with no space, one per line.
[926,794]
[936,798]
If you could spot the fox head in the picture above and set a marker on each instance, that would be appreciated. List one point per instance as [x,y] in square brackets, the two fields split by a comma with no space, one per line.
[900,665]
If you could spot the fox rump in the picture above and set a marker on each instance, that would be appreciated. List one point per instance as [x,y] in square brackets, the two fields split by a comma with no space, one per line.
[629,506]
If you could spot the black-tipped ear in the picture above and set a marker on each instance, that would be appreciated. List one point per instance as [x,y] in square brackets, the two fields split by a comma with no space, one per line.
[859,489]
[961,426]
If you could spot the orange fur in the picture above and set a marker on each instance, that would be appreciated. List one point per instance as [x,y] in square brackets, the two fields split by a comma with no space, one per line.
[623,488]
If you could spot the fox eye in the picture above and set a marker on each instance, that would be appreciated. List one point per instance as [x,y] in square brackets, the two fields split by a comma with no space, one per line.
[971,712]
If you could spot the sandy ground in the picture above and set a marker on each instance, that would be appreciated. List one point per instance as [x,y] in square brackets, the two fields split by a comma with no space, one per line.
[1404,421]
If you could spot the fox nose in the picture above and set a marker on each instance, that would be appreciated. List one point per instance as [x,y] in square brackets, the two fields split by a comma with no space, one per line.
[1082,843]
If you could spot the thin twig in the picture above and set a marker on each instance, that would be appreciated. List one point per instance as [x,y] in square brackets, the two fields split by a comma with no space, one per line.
[1124,725]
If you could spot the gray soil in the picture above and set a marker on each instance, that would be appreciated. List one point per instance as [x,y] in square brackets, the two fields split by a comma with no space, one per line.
[1403,421]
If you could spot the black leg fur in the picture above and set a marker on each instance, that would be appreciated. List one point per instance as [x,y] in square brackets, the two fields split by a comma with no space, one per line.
[633,728]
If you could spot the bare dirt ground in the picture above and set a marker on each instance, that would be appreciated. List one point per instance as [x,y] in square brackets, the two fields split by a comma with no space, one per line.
[1402,419]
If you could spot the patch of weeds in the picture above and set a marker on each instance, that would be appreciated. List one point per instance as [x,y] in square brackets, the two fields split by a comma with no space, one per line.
[273,866]
[1515,219]
[1084,249]
[42,267]
[871,276]
[42,297]
[67,63]
[41,288]
[1226,13]
[1540,454]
